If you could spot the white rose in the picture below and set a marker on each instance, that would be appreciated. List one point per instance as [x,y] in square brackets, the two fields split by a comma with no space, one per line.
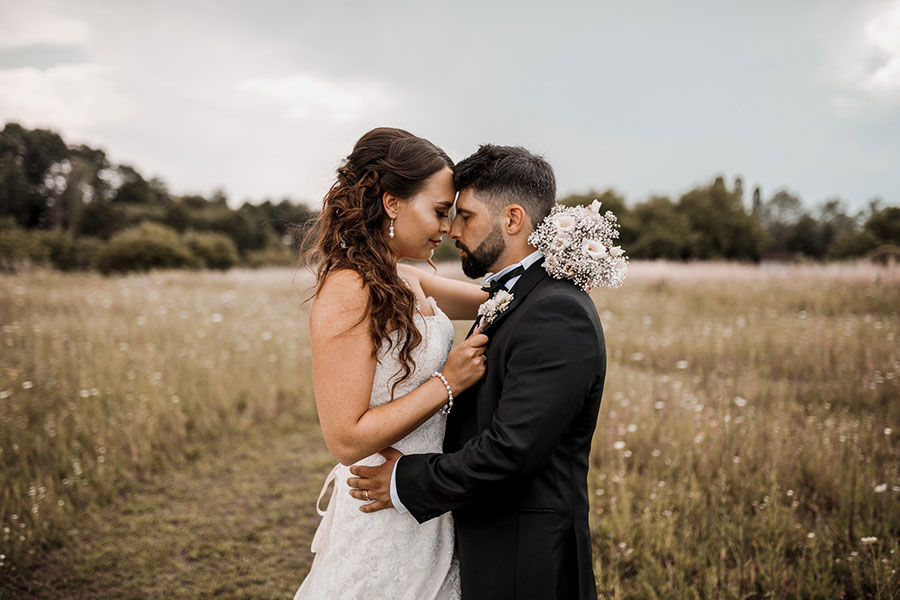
[503,299]
[565,223]
[593,248]
[595,206]
[616,251]
[560,241]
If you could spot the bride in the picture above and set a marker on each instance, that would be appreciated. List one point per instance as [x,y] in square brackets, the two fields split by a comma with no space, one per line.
[382,366]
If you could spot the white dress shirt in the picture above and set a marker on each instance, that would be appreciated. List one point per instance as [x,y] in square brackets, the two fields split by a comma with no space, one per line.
[524,263]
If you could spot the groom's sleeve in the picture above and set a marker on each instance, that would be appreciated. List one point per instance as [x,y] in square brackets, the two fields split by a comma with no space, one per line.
[395,497]
[553,362]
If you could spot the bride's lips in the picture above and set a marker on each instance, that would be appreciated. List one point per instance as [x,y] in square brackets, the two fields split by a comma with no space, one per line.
[434,242]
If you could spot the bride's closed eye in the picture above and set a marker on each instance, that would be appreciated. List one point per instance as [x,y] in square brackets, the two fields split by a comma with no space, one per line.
[441,214]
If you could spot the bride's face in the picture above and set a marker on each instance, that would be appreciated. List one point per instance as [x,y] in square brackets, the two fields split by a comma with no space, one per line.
[423,220]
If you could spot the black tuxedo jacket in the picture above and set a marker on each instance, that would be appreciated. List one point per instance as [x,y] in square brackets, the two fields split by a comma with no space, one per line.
[515,463]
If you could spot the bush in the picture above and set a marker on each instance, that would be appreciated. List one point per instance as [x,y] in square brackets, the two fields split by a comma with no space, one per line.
[19,249]
[68,253]
[144,247]
[853,245]
[216,250]
[272,256]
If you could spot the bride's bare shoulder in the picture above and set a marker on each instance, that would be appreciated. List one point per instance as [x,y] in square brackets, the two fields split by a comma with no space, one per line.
[340,302]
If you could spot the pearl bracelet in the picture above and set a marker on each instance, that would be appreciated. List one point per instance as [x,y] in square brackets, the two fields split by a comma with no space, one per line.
[449,406]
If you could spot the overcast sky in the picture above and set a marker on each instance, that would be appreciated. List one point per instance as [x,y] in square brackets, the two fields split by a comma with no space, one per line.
[263,98]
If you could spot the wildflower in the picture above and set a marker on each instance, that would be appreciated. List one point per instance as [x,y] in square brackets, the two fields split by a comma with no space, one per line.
[790,492]
[627,453]
[655,453]
[632,428]
[619,445]
[741,402]
[681,364]
[84,393]
[637,356]
[659,405]
[698,438]
[868,540]
[881,487]
[888,431]
[811,535]
[5,394]
[217,318]
[27,385]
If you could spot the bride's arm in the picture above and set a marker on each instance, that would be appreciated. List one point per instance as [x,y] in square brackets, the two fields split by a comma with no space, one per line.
[344,370]
[458,299]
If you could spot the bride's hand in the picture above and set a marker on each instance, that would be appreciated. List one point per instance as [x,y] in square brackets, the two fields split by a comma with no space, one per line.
[466,363]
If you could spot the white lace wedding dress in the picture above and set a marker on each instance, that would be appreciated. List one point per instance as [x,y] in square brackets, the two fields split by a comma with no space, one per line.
[387,555]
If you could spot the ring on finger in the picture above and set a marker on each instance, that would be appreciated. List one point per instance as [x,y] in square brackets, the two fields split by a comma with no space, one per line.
[367,495]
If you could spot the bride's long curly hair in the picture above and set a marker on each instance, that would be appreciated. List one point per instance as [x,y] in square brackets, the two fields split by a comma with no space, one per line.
[351,232]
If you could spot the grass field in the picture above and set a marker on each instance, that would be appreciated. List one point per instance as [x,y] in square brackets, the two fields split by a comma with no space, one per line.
[746,447]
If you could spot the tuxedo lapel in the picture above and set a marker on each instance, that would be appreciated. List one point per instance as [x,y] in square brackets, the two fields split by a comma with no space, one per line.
[523,286]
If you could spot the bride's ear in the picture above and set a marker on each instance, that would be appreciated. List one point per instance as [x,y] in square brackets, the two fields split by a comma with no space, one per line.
[391,204]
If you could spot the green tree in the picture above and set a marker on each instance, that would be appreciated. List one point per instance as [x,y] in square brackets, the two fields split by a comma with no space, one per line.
[884,224]
[28,182]
[662,231]
[722,225]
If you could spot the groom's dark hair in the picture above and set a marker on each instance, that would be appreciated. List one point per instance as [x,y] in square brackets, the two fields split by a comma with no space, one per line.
[503,175]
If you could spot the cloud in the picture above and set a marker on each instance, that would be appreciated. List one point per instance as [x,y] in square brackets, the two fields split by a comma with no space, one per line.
[39,22]
[74,98]
[302,96]
[883,37]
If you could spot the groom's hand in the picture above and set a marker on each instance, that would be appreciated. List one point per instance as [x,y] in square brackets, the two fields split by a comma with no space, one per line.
[373,484]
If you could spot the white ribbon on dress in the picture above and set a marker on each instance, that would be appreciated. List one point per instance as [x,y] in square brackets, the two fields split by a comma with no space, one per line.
[322,533]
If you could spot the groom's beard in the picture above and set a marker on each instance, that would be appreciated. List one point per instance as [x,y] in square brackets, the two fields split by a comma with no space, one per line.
[476,263]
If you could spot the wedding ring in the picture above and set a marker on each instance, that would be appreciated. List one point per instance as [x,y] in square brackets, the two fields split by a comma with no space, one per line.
[367,495]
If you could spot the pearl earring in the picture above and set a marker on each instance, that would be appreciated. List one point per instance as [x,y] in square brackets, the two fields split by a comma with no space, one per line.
[391,231]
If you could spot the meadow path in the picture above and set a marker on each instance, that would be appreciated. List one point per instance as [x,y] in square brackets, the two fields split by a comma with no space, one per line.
[236,523]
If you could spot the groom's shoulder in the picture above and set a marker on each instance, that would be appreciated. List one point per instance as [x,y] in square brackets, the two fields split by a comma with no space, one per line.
[560,295]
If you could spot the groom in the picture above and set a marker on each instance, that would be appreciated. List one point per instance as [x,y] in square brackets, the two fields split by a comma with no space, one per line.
[515,463]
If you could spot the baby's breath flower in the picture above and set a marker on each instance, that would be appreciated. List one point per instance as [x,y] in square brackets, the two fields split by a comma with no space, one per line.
[577,243]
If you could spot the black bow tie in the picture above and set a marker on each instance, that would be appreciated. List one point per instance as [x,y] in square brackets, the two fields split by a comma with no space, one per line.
[500,283]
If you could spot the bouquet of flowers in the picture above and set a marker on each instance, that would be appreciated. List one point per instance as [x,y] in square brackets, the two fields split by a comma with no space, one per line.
[577,243]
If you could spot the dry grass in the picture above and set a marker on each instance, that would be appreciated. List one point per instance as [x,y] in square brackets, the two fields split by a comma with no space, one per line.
[747,443]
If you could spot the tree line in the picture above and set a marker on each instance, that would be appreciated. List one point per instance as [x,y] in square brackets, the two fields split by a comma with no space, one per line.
[70,207]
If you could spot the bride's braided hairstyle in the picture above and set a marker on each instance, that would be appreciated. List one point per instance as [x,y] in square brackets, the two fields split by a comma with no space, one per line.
[351,232]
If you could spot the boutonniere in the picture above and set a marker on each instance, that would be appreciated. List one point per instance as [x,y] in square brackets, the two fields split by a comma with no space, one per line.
[492,308]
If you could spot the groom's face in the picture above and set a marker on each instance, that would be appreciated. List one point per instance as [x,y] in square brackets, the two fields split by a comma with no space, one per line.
[477,234]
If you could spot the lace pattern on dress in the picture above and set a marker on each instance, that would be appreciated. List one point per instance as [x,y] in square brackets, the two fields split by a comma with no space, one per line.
[387,555]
